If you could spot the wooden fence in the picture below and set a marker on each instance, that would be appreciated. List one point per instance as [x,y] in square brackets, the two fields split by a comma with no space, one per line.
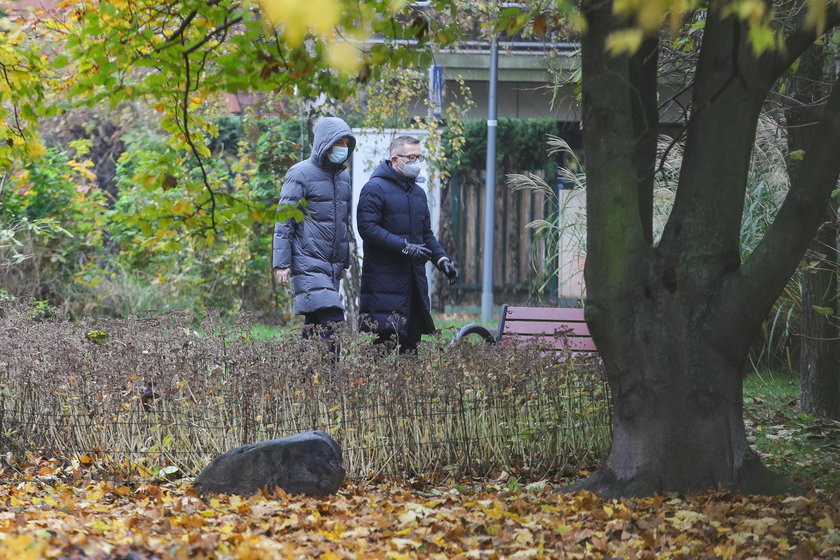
[515,256]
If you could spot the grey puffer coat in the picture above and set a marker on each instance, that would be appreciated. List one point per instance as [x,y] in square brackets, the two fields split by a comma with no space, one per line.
[316,249]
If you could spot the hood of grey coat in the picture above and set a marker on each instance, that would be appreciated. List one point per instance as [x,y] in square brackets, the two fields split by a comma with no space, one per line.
[328,131]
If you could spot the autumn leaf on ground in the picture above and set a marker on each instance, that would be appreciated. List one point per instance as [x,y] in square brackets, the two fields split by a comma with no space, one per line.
[43,518]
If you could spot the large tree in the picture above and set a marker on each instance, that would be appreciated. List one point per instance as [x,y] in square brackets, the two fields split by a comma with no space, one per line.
[674,320]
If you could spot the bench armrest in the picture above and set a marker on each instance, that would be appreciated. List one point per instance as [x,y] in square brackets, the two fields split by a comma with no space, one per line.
[474,328]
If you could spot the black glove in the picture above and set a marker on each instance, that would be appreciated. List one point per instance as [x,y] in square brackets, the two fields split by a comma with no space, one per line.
[418,253]
[449,269]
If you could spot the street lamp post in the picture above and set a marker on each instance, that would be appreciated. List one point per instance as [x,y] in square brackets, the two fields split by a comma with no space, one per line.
[490,190]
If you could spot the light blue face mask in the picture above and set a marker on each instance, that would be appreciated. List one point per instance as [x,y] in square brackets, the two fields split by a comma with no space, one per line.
[339,154]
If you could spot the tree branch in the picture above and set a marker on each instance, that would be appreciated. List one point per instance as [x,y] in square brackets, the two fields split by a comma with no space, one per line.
[704,227]
[183,27]
[765,272]
[193,148]
[221,29]
[615,110]
[643,77]
[796,43]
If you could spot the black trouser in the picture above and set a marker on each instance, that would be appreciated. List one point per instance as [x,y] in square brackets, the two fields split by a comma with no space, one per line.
[414,328]
[322,323]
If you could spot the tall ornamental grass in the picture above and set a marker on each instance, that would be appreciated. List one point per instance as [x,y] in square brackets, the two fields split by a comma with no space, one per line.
[767,185]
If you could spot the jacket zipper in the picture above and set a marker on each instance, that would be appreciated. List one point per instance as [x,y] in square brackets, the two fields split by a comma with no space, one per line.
[335,215]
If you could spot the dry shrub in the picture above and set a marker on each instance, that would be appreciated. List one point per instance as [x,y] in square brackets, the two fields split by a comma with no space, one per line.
[152,397]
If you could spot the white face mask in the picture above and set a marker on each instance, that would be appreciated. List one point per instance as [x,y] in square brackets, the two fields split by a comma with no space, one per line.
[411,170]
[338,154]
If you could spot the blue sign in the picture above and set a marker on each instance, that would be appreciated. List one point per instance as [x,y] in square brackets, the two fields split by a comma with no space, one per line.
[436,90]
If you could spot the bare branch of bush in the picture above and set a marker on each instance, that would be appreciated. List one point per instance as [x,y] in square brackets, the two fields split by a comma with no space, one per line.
[153,397]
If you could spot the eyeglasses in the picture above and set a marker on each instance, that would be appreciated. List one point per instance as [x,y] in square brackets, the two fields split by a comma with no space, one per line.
[412,158]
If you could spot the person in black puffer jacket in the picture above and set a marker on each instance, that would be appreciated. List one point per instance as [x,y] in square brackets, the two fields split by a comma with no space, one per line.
[395,225]
[313,253]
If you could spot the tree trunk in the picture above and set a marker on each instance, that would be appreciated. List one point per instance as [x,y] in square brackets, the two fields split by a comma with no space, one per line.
[819,375]
[678,416]
[819,379]
[673,321]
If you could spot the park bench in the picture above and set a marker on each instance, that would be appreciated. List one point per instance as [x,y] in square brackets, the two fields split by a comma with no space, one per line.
[553,328]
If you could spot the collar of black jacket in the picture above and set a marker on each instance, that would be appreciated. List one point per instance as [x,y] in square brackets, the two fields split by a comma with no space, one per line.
[405,182]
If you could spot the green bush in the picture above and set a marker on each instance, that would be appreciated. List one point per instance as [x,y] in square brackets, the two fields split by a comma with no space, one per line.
[54,220]
[520,145]
[165,239]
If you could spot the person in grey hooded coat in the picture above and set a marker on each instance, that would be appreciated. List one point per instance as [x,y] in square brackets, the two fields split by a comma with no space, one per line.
[313,253]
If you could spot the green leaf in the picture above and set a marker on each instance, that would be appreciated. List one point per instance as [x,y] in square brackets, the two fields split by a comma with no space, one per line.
[60,61]
[823,310]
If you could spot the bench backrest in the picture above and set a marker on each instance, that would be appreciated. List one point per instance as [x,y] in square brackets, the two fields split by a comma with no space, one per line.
[557,328]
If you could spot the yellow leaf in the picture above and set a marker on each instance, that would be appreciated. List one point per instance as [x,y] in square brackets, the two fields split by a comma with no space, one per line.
[816,14]
[100,526]
[401,544]
[23,547]
[297,18]
[826,522]
[182,207]
[35,148]
[524,537]
[624,41]
[726,551]
[344,56]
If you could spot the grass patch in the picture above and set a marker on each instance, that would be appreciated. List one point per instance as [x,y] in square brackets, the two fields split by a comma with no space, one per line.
[790,441]
[447,324]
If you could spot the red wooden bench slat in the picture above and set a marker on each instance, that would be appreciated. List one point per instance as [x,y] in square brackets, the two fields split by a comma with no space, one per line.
[544,313]
[549,328]
[577,344]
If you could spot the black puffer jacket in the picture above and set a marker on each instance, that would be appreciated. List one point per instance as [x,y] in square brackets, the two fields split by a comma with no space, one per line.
[317,248]
[392,210]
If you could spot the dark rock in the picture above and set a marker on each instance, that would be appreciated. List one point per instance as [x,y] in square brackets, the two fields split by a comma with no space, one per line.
[309,463]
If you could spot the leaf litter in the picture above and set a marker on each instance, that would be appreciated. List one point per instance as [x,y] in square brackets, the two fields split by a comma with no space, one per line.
[45,517]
